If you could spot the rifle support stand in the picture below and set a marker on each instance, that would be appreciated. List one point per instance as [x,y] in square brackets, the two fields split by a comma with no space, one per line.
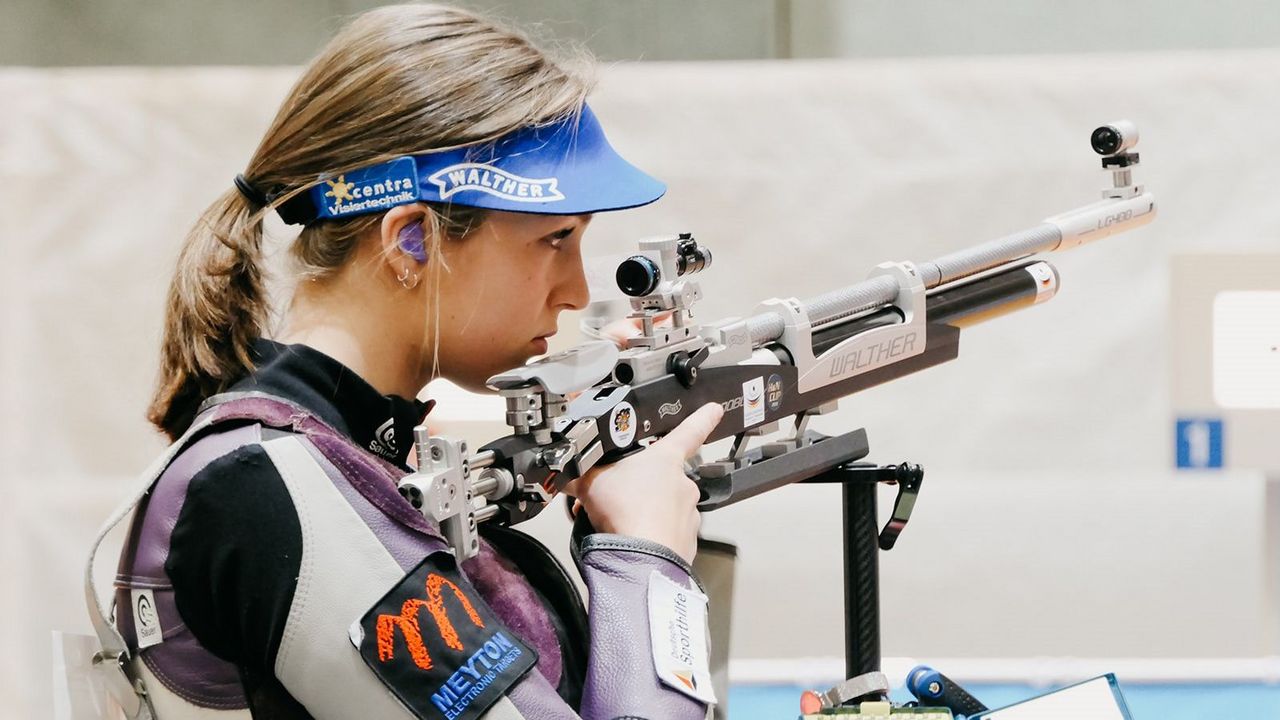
[815,458]
[862,544]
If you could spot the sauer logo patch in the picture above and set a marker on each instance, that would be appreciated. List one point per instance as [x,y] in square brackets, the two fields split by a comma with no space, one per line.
[438,647]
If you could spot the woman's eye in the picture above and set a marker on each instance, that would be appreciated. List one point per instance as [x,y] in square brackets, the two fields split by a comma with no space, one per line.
[557,238]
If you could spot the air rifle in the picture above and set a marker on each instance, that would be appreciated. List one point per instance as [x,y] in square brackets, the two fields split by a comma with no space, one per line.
[789,360]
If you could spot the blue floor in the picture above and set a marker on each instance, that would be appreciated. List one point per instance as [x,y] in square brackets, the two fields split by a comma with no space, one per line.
[1146,702]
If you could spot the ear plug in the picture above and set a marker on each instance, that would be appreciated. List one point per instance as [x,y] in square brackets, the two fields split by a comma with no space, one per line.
[411,241]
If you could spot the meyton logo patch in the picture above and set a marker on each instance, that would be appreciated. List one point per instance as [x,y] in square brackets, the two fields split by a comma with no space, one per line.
[439,648]
[494,181]
[373,188]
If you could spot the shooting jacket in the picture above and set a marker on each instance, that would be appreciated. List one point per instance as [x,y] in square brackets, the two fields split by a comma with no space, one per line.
[277,530]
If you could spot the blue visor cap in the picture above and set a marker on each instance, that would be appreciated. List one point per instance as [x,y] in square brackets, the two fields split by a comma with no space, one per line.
[567,168]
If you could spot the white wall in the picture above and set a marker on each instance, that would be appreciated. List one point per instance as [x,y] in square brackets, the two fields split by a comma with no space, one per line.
[903,28]
[1050,524]
[73,33]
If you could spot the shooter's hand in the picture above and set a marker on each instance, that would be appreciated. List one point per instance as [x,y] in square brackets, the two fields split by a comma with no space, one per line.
[647,495]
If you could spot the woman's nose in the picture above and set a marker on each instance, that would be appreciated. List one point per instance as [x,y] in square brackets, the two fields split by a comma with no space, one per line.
[574,293]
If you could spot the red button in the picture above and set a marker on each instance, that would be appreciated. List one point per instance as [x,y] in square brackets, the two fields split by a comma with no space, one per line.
[810,703]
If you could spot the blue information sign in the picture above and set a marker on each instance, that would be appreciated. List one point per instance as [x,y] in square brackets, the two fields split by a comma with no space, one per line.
[1199,443]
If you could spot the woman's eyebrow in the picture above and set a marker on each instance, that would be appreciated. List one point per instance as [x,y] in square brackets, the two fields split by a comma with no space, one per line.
[570,223]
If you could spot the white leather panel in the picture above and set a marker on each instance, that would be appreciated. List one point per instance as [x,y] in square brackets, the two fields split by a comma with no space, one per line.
[344,572]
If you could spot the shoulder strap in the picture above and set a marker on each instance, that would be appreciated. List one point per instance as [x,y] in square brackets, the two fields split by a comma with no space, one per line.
[113,658]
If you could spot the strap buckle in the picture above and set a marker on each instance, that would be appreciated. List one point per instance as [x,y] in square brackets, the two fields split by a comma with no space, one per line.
[129,693]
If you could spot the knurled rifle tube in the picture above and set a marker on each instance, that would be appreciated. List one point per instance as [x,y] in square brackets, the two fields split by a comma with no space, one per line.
[1010,248]
[883,290]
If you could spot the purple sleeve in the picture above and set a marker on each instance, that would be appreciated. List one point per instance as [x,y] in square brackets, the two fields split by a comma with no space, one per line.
[622,682]
[621,678]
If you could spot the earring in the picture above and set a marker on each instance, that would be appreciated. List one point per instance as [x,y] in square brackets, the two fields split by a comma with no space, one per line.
[403,279]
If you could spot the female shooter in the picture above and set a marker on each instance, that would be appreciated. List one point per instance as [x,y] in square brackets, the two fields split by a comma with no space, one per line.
[443,171]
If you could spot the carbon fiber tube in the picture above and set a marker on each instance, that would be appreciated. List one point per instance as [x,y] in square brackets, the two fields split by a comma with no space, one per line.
[973,301]
[861,578]
[882,290]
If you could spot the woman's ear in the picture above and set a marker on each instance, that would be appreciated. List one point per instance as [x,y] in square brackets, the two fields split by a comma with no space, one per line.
[404,237]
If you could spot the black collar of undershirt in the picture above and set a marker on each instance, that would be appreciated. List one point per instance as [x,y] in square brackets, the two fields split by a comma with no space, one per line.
[337,395]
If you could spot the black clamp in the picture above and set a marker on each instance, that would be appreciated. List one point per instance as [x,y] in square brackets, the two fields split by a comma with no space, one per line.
[1123,160]
[907,476]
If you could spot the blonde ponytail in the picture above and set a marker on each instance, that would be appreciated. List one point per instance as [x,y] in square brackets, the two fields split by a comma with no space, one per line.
[215,308]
